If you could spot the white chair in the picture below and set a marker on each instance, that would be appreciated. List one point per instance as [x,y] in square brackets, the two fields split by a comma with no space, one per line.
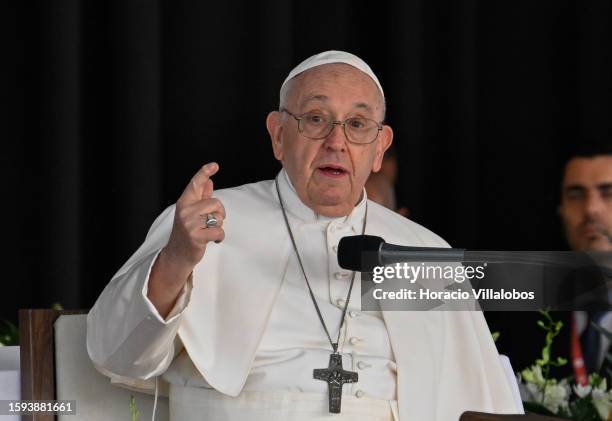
[55,365]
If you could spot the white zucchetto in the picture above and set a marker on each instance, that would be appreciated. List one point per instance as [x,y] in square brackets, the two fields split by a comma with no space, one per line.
[329,57]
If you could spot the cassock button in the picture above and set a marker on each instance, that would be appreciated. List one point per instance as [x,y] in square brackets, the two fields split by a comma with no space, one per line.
[340,302]
[335,249]
[341,275]
[360,394]
[354,340]
[362,365]
[353,313]
[334,228]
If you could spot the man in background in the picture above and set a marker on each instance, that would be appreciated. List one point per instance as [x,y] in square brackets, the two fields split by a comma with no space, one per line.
[586,200]
[380,186]
[585,211]
[586,215]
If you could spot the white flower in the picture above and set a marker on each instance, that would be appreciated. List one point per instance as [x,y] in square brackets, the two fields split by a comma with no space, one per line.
[603,402]
[582,391]
[533,393]
[556,396]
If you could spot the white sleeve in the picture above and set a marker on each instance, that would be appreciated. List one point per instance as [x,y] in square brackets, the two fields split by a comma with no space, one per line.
[126,336]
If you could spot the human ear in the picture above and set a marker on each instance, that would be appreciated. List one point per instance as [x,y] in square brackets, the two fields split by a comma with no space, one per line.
[275,128]
[385,140]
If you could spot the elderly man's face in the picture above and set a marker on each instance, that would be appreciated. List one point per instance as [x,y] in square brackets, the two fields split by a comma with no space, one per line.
[586,203]
[329,174]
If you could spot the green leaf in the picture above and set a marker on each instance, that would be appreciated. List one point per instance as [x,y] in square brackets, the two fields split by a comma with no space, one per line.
[552,329]
[9,334]
[133,409]
[546,353]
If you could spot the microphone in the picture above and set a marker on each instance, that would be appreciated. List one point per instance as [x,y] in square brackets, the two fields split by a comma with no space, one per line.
[364,252]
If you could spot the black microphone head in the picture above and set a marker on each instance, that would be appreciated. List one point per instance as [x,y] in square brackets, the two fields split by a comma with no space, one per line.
[351,251]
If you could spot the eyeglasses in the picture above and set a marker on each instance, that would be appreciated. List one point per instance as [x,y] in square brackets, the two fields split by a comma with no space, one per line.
[316,125]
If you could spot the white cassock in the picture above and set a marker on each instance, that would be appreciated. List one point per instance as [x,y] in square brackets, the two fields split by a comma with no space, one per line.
[249,337]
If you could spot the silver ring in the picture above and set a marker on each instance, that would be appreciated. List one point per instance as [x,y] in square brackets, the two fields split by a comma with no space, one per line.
[210,220]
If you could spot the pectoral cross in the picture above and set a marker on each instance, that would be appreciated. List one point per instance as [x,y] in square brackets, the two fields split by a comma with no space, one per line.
[335,377]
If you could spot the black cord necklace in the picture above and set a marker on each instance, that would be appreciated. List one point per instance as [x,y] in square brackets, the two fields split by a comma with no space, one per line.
[334,375]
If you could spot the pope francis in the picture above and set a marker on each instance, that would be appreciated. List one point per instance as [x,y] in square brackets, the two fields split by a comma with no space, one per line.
[237,301]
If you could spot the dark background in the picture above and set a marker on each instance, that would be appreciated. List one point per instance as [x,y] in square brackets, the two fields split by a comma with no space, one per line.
[117,103]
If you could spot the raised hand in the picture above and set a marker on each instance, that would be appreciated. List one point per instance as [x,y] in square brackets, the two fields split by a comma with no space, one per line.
[190,234]
[188,239]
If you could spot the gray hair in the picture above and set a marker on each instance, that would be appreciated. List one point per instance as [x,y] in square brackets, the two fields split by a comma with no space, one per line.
[286,91]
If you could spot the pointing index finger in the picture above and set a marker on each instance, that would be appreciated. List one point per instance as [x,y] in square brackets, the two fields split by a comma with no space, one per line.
[200,186]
